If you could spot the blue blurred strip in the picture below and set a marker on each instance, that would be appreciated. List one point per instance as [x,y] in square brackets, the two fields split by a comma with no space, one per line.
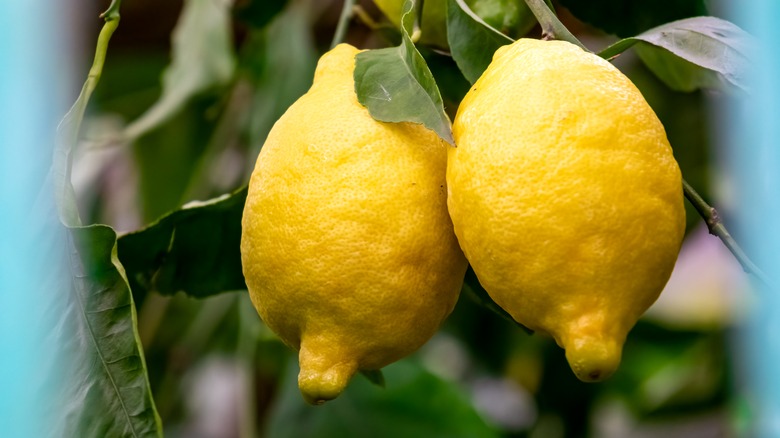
[30,73]
[754,152]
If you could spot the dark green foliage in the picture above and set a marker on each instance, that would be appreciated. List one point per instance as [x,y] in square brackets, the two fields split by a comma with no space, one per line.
[629,17]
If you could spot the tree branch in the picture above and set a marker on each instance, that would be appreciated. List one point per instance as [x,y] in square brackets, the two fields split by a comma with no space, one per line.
[717,228]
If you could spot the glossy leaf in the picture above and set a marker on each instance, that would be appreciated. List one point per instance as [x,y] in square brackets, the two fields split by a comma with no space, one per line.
[102,386]
[472,41]
[630,17]
[202,59]
[395,84]
[701,52]
[195,250]
[413,403]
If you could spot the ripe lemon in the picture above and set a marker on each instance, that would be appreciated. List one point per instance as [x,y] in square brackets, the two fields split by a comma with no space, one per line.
[347,247]
[565,197]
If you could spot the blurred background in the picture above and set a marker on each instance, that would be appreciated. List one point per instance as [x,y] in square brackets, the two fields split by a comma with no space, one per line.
[189,91]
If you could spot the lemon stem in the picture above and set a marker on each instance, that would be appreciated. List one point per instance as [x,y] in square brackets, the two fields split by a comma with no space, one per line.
[341,28]
[552,28]
[70,126]
[112,13]
[717,228]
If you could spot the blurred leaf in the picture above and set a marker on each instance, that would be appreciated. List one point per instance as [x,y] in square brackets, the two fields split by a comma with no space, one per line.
[202,59]
[472,41]
[414,403]
[258,13]
[667,371]
[396,85]
[630,17]
[105,390]
[167,157]
[374,376]
[195,250]
[700,52]
[510,17]
[280,62]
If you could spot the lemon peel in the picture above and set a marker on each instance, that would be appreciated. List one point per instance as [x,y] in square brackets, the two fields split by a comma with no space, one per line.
[565,197]
[347,247]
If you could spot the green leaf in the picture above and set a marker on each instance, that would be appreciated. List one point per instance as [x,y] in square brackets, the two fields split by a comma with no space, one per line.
[396,85]
[472,41]
[258,13]
[510,17]
[202,59]
[374,376]
[630,17]
[700,52]
[105,386]
[415,403]
[195,250]
[102,386]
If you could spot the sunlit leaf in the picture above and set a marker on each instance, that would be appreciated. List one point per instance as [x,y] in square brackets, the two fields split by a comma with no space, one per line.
[396,85]
[630,17]
[700,52]
[195,250]
[202,59]
[472,41]
[413,403]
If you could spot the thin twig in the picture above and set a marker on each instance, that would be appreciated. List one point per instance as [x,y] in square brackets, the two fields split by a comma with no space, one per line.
[341,27]
[552,28]
[716,227]
[112,13]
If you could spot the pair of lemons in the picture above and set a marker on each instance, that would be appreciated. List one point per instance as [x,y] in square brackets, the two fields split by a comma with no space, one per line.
[562,193]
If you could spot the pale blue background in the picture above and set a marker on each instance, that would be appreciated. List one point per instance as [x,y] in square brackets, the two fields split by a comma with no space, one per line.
[31,73]
[754,161]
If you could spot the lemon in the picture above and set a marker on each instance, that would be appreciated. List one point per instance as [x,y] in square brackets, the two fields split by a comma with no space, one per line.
[565,197]
[511,17]
[347,247]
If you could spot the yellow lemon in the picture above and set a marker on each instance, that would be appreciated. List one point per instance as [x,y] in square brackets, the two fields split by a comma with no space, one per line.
[565,197]
[347,247]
